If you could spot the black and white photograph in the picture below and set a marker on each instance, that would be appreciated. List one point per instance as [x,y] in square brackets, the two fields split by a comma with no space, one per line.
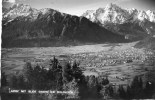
[77,50]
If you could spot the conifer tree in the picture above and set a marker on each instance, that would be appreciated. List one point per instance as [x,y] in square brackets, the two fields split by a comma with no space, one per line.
[28,74]
[67,73]
[129,92]
[149,89]
[13,82]
[3,80]
[21,82]
[122,92]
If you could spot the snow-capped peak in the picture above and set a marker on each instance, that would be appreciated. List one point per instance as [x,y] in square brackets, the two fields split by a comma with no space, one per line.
[90,15]
[115,14]
[151,15]
[45,10]
[111,13]
[20,10]
[142,15]
[111,6]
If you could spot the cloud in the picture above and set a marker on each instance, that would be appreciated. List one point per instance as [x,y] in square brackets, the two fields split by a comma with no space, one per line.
[122,0]
[10,1]
[20,0]
[53,2]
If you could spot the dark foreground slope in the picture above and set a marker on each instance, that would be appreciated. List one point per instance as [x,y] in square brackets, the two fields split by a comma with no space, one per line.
[53,28]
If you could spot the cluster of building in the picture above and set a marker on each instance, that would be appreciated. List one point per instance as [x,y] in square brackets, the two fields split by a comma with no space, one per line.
[112,58]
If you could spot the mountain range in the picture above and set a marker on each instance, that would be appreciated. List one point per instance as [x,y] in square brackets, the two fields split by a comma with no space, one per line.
[24,26]
[133,23]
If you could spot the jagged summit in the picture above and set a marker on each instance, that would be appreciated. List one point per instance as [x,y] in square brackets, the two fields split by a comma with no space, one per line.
[151,15]
[114,14]
[111,13]
[20,10]
[23,10]
[111,6]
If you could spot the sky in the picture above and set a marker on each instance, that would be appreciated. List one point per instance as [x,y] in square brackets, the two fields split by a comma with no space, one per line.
[77,7]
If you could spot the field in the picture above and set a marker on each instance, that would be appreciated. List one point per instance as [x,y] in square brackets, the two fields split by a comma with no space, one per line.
[120,62]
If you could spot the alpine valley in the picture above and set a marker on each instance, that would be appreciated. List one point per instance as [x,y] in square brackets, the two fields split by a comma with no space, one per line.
[104,54]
